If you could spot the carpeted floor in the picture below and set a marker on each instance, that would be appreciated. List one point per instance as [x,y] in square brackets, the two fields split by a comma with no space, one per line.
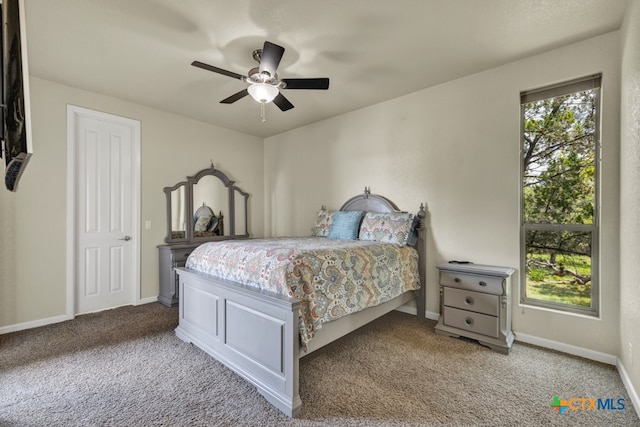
[125,367]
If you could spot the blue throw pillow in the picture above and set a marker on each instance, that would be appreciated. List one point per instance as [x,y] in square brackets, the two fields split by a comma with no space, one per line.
[345,225]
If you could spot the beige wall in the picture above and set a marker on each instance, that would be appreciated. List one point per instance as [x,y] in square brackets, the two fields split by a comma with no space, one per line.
[33,220]
[456,147]
[630,196]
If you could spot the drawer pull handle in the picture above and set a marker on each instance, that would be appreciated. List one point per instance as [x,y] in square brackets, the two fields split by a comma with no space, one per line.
[468,321]
[482,283]
[457,280]
[468,300]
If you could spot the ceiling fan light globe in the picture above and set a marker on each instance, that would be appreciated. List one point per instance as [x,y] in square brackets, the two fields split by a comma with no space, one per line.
[262,92]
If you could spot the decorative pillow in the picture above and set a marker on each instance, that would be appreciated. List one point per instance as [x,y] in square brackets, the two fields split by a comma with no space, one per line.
[389,227]
[324,219]
[345,225]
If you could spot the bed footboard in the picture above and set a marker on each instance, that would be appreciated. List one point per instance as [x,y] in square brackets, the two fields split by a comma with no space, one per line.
[251,332]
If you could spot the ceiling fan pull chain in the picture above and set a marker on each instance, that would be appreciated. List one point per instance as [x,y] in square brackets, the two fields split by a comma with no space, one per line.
[263,114]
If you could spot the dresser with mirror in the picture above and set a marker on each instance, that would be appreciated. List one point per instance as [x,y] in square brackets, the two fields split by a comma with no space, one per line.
[207,206]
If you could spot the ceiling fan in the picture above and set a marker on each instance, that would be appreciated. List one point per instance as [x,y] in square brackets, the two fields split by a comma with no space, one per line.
[264,84]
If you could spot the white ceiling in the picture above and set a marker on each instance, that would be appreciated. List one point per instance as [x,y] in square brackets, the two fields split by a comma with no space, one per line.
[372,50]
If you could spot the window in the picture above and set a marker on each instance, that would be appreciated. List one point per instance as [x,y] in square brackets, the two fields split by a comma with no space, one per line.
[559,196]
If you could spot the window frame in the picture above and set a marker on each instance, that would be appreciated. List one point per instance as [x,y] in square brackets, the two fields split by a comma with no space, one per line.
[592,82]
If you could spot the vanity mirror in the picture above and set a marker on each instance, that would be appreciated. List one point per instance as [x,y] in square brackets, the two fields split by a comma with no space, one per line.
[207,206]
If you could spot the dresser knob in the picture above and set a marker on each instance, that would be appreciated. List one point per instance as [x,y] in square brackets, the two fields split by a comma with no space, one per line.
[457,280]
[482,283]
[468,321]
[468,300]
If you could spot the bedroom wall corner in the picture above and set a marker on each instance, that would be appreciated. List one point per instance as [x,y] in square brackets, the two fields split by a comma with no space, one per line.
[629,351]
[7,255]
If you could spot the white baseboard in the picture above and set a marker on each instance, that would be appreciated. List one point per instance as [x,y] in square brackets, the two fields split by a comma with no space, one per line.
[431,315]
[609,359]
[146,300]
[57,319]
[413,310]
[541,342]
[34,324]
[635,400]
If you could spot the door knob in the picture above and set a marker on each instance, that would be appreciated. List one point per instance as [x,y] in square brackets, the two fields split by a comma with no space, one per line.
[126,238]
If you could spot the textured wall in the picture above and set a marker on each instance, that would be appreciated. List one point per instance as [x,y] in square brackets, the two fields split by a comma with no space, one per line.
[456,147]
[630,195]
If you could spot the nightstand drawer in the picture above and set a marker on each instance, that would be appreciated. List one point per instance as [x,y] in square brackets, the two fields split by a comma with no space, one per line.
[486,284]
[474,301]
[470,321]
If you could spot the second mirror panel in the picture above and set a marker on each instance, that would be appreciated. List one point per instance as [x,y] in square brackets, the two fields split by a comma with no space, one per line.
[178,213]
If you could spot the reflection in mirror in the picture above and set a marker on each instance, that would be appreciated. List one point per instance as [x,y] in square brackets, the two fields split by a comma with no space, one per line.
[240,204]
[178,213]
[210,204]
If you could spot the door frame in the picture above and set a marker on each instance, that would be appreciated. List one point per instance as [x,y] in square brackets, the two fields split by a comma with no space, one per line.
[73,113]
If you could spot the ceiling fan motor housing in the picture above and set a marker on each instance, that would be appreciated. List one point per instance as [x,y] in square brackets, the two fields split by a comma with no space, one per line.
[255,76]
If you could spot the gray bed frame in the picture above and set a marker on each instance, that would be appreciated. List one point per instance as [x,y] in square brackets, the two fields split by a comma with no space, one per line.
[255,333]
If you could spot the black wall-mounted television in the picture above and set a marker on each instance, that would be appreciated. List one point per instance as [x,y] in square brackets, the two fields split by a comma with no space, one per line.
[16,114]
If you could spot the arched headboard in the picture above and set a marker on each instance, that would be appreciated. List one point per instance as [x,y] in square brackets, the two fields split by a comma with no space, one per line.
[368,202]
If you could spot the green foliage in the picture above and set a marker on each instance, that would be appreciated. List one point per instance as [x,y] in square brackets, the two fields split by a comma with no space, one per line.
[537,274]
[559,160]
[562,293]
[567,280]
[559,188]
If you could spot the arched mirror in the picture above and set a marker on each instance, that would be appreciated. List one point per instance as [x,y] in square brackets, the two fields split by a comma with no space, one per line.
[210,205]
[206,207]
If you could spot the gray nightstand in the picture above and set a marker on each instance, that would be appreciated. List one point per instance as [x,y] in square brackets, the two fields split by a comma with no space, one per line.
[475,302]
[171,257]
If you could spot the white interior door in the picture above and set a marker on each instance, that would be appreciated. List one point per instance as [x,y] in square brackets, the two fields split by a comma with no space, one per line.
[106,232]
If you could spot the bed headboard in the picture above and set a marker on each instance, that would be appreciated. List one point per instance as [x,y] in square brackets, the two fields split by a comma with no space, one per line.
[368,202]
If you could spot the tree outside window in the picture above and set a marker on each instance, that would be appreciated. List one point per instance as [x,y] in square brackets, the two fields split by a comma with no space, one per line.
[560,136]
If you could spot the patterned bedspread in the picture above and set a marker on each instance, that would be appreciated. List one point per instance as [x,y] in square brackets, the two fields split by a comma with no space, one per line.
[331,278]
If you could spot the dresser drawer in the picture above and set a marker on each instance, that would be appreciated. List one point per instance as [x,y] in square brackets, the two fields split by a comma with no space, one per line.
[470,321]
[472,282]
[180,256]
[474,301]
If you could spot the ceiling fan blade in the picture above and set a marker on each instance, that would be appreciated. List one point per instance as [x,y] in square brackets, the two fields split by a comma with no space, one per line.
[271,56]
[282,102]
[236,96]
[217,70]
[319,83]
